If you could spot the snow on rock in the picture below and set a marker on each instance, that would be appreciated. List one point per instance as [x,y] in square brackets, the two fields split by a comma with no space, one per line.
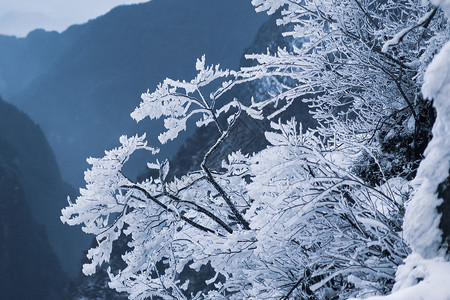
[421,279]
[421,219]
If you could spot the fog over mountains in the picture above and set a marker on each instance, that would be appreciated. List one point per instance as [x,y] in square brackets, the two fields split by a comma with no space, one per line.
[21,22]
[81,85]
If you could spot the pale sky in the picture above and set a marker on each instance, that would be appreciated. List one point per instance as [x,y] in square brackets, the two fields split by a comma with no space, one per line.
[18,17]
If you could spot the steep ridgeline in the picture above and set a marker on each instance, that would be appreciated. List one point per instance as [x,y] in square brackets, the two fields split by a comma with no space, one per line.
[24,59]
[30,163]
[96,72]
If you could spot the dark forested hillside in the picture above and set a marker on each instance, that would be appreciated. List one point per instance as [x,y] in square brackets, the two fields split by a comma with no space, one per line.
[86,80]
[26,154]
[29,268]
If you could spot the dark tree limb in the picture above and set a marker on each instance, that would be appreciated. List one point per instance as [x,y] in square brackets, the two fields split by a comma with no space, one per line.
[159,203]
[202,210]
[216,185]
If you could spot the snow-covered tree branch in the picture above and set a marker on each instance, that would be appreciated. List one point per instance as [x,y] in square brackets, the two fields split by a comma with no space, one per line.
[318,213]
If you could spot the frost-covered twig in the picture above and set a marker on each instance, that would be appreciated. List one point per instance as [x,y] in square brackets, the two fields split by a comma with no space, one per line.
[422,22]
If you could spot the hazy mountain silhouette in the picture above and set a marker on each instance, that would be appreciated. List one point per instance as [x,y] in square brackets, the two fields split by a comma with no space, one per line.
[21,23]
[31,182]
[81,85]
[24,59]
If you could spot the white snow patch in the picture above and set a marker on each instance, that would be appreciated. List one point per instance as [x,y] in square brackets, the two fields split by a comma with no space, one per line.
[421,219]
[421,279]
[444,4]
[395,40]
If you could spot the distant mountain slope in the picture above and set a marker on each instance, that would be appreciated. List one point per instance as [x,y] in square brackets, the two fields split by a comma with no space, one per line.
[97,71]
[24,59]
[28,266]
[24,149]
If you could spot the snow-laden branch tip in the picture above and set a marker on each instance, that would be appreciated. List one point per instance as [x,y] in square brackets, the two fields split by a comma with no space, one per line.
[422,22]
